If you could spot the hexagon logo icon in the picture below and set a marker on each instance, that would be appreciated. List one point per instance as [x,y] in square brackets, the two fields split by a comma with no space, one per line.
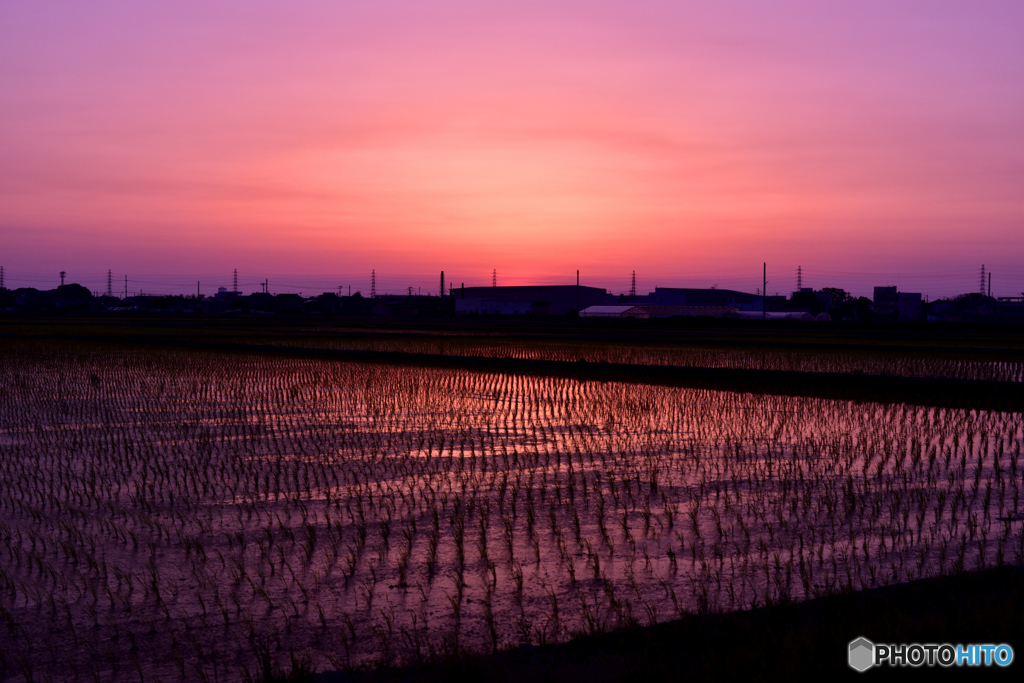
[862,654]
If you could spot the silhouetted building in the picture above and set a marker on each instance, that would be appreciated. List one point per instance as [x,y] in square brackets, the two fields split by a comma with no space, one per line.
[1010,308]
[684,296]
[885,302]
[909,306]
[891,304]
[544,300]
[970,307]
[643,311]
[493,307]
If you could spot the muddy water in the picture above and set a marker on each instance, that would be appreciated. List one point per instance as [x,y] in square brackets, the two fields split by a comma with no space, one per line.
[169,515]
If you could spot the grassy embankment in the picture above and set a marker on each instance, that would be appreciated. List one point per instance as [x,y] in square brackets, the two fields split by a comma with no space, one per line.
[802,641]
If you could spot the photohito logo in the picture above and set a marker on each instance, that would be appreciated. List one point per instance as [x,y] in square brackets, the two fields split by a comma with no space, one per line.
[863,654]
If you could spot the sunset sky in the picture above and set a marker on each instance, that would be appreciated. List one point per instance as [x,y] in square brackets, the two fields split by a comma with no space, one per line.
[310,142]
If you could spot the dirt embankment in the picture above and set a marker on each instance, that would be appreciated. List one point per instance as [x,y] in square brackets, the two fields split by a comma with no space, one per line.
[803,641]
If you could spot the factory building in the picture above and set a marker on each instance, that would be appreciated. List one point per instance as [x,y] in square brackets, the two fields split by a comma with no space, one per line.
[542,300]
[891,304]
[685,296]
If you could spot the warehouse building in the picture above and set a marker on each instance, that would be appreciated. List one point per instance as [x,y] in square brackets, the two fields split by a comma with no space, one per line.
[686,296]
[543,300]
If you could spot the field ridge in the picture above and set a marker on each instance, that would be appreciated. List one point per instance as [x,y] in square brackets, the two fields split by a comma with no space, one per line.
[921,391]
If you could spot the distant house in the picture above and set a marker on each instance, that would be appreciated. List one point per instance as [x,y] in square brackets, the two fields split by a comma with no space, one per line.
[891,304]
[1010,308]
[909,306]
[885,302]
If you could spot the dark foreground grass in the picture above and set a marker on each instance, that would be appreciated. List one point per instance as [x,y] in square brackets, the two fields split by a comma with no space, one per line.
[806,641]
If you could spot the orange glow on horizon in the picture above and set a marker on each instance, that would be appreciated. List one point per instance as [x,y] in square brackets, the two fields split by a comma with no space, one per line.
[531,137]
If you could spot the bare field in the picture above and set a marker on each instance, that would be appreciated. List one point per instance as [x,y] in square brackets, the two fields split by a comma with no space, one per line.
[171,514]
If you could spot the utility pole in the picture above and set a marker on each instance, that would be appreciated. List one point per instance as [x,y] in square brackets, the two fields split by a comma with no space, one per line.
[799,278]
[1,277]
[442,283]
[764,291]
[110,289]
[234,287]
[990,284]
[62,274]
[981,288]
[197,290]
[373,284]
[632,286]
[577,291]
[125,286]
[494,278]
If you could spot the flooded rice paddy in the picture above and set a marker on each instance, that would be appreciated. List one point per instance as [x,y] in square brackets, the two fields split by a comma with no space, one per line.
[994,365]
[171,515]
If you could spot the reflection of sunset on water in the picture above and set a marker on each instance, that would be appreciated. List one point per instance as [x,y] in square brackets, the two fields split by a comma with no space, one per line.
[272,498]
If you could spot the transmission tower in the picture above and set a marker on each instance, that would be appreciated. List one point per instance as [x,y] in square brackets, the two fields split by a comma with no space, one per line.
[494,278]
[632,286]
[234,287]
[799,278]
[110,283]
[981,284]
[62,274]
[373,284]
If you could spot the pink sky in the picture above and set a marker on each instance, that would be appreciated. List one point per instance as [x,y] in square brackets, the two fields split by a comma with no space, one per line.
[310,142]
